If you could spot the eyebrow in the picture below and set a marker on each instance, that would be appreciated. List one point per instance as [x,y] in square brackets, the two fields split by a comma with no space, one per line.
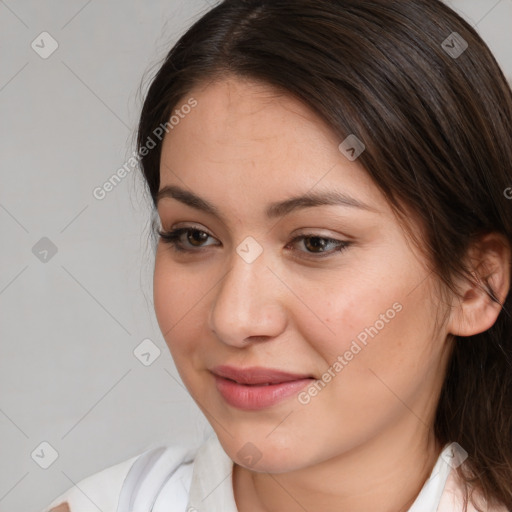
[273,210]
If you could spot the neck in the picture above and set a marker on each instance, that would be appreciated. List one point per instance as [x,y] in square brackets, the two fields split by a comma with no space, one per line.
[388,472]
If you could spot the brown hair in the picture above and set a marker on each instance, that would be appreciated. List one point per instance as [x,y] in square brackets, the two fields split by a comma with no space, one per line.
[437,127]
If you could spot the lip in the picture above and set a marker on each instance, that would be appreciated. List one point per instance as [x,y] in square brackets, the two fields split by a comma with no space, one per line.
[256,387]
[256,375]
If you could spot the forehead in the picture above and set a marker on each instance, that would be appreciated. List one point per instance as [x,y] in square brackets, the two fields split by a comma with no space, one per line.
[242,121]
[246,115]
[246,143]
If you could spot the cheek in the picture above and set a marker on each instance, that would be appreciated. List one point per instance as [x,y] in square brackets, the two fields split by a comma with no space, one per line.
[165,286]
[342,309]
[381,355]
[178,300]
[383,347]
[372,321]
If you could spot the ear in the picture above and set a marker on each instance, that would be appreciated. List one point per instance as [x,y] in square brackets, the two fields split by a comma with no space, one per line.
[489,259]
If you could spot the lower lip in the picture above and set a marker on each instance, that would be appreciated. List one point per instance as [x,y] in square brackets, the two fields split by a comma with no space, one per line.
[251,398]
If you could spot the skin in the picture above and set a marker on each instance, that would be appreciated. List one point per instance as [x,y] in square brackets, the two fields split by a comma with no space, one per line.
[367,437]
[63,507]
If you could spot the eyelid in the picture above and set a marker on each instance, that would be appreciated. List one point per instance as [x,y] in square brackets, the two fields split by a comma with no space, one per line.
[172,238]
[192,226]
[311,232]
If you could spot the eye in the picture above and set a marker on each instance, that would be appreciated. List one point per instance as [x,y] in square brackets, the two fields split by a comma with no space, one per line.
[195,237]
[315,244]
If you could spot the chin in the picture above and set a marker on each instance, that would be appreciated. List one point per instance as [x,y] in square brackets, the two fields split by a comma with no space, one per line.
[261,454]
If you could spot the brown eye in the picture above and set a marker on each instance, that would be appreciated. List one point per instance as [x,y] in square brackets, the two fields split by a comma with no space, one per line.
[196,238]
[316,245]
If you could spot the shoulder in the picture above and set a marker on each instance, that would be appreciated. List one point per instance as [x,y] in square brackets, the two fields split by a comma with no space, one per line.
[133,483]
[101,488]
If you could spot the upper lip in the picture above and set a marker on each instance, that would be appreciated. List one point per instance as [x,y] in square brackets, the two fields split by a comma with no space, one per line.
[256,375]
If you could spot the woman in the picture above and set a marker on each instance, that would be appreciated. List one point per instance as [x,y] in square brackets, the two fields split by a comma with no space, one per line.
[333,269]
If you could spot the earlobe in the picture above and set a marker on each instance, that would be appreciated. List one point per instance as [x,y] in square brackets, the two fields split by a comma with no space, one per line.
[483,297]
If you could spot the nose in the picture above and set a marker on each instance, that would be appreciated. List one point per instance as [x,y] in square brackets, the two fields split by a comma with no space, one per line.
[249,303]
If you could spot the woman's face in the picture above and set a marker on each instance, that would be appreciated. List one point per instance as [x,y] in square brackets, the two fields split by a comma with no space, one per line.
[246,291]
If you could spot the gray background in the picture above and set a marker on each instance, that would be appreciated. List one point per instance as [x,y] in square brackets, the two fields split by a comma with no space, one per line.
[70,321]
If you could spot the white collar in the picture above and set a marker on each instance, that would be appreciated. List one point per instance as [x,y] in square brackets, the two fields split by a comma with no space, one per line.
[211,488]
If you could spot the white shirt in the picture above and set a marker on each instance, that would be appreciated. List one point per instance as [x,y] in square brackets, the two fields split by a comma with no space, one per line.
[178,479]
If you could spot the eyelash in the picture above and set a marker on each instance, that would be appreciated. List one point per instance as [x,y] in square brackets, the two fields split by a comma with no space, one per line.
[173,238]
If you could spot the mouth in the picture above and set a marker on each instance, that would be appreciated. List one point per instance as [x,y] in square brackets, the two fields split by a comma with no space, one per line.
[258,384]
[257,376]
[256,388]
